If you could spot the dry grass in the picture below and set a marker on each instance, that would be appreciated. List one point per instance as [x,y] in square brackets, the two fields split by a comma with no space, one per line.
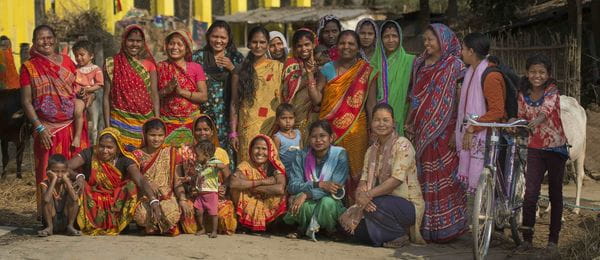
[17,200]
[587,246]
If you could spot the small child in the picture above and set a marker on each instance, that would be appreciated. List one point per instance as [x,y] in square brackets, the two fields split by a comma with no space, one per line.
[89,79]
[287,139]
[321,55]
[203,177]
[59,199]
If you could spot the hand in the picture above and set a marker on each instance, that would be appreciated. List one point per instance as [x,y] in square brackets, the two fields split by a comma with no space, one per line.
[156,212]
[224,62]
[185,179]
[409,131]
[235,143]
[310,65]
[46,139]
[65,177]
[51,175]
[329,186]
[452,143]
[538,120]
[268,181]
[363,199]
[467,141]
[370,207]
[186,208]
[297,203]
[79,184]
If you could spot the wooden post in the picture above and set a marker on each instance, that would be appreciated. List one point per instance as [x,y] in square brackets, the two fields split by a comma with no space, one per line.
[424,14]
[575,20]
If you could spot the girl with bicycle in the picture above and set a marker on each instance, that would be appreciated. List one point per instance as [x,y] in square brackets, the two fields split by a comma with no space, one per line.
[539,103]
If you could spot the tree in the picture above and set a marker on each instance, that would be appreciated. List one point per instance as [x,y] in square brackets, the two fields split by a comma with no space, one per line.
[424,14]
[452,12]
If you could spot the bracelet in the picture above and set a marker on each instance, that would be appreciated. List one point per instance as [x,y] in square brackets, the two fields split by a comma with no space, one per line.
[154,200]
[81,174]
[40,128]
[34,120]
[233,135]
[253,184]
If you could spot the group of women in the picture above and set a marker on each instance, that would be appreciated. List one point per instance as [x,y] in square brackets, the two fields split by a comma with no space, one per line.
[356,95]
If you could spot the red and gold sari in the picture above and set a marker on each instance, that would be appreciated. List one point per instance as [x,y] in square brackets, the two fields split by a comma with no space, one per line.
[130,100]
[343,105]
[255,212]
[108,201]
[178,112]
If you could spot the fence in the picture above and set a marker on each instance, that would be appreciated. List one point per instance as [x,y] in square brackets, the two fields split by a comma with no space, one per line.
[514,48]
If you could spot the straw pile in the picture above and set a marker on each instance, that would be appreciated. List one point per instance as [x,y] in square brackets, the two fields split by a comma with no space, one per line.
[17,200]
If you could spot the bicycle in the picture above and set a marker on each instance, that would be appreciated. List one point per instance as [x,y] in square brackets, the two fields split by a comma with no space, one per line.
[499,196]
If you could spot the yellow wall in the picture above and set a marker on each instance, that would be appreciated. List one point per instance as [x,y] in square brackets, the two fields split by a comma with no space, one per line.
[17,21]
[203,10]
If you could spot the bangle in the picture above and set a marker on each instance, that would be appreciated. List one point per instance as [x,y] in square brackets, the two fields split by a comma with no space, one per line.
[154,200]
[253,184]
[233,135]
[35,119]
[191,93]
[40,128]
[81,174]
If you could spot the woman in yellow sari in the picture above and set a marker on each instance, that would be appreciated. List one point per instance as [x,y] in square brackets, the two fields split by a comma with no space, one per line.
[258,94]
[110,181]
[346,95]
[160,165]
[258,185]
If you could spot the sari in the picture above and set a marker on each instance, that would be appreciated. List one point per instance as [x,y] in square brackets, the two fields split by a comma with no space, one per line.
[393,78]
[226,210]
[256,212]
[160,170]
[176,111]
[322,210]
[9,79]
[109,198]
[218,83]
[343,105]
[258,117]
[472,102]
[295,92]
[130,100]
[433,102]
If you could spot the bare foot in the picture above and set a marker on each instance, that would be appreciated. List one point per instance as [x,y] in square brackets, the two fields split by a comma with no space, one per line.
[76,142]
[293,235]
[71,231]
[200,232]
[45,232]
[397,243]
[212,235]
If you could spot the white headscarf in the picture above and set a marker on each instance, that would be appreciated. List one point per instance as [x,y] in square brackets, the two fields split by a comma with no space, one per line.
[276,34]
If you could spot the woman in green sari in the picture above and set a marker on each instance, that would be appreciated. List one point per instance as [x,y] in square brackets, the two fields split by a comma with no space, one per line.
[394,66]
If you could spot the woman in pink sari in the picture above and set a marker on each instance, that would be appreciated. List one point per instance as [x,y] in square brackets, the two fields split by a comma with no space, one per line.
[47,95]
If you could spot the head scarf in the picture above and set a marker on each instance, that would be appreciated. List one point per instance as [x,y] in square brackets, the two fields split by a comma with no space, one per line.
[286,47]
[147,53]
[292,72]
[187,40]
[116,134]
[393,69]
[144,131]
[377,34]
[326,19]
[215,138]
[272,154]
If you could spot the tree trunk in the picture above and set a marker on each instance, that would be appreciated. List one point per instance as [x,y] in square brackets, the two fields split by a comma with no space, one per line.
[424,13]
[452,12]
[575,22]
[596,20]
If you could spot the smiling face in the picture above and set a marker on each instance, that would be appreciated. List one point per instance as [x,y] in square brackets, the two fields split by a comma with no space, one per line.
[155,137]
[382,123]
[107,148]
[330,33]
[431,43]
[176,48]
[537,74]
[202,131]
[258,44]
[45,42]
[260,151]
[304,48]
[320,140]
[276,48]
[134,43]
[391,39]
[348,46]
[367,35]
[218,39]
[83,57]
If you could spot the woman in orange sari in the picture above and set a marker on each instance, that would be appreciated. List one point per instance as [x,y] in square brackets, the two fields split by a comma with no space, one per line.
[346,95]
[204,128]
[258,185]
[161,166]
[110,181]
[181,86]
[47,96]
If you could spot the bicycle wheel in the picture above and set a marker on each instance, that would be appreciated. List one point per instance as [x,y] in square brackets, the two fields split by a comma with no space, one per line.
[483,215]
[517,203]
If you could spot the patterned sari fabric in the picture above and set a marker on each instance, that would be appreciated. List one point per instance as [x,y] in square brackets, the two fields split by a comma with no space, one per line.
[131,103]
[255,212]
[218,83]
[433,101]
[259,117]
[295,92]
[159,169]
[343,105]
[177,111]
[393,78]
[109,200]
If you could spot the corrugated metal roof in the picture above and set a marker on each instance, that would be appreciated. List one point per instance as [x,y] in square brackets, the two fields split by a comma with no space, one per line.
[290,14]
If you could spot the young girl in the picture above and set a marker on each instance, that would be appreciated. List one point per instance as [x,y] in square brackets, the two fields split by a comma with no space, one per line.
[89,79]
[539,103]
[203,179]
[287,139]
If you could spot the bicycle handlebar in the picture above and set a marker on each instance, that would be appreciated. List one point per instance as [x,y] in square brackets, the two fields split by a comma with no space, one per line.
[470,120]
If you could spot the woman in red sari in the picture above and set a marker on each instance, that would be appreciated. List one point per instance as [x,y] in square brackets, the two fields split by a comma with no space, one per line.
[47,96]
[431,123]
[182,87]
[130,95]
[345,95]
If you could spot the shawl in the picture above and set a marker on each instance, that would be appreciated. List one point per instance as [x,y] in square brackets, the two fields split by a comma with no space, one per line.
[360,23]
[286,47]
[310,165]
[292,73]
[332,52]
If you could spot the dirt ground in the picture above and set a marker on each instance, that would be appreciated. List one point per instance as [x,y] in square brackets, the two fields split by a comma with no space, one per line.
[17,209]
